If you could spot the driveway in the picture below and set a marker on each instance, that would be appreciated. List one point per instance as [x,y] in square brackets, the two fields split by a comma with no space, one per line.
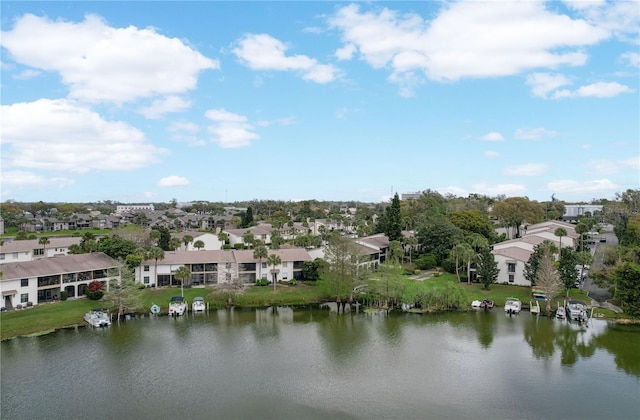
[597,293]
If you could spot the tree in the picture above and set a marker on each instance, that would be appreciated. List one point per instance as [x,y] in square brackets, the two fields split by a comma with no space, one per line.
[276,239]
[247,218]
[311,270]
[393,220]
[473,221]
[154,237]
[156,253]
[44,241]
[581,228]
[560,232]
[487,268]
[340,278]
[165,237]
[174,244]
[547,278]
[223,237]
[186,240]
[274,260]
[198,244]
[184,275]
[438,237]
[627,278]
[532,266]
[123,296]
[395,251]
[567,268]
[248,238]
[115,247]
[461,252]
[514,211]
[259,253]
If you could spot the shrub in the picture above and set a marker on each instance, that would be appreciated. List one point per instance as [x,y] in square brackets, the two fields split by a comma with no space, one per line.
[95,291]
[426,262]
[226,246]
[64,295]
[262,282]
[293,282]
[239,245]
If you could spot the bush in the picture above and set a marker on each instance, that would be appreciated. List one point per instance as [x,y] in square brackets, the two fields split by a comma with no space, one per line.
[95,291]
[226,246]
[239,245]
[64,295]
[293,282]
[426,262]
[262,282]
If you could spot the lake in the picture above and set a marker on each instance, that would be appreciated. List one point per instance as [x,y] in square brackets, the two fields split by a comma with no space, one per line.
[313,363]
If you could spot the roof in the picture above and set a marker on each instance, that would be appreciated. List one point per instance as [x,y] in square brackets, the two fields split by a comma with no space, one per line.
[31,244]
[224,256]
[59,264]
[518,254]
[379,240]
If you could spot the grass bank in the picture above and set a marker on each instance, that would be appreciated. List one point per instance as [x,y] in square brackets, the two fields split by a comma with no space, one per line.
[49,317]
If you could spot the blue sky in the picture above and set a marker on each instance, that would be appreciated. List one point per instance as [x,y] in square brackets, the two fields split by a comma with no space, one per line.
[231,101]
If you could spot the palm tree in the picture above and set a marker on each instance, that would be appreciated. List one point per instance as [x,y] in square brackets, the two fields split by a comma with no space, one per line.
[154,236]
[183,274]
[44,241]
[223,237]
[259,253]
[156,253]
[464,252]
[248,238]
[198,244]
[274,260]
[186,240]
[560,232]
[174,243]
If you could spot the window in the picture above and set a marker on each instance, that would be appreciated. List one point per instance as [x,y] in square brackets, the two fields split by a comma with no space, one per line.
[14,255]
[24,298]
[264,265]
[24,282]
[2,256]
[511,267]
[511,278]
[146,279]
[146,268]
[284,264]
[39,251]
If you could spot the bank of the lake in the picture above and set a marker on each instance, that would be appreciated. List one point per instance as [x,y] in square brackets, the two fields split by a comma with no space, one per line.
[69,313]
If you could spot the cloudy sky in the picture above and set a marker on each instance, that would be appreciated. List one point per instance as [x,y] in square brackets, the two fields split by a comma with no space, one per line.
[229,101]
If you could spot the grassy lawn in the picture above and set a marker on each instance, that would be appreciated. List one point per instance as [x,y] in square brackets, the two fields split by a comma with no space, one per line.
[48,317]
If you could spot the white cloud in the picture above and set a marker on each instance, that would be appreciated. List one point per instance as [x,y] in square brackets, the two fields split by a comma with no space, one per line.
[608,167]
[530,169]
[599,188]
[30,179]
[27,74]
[465,39]
[618,18]
[492,136]
[544,83]
[186,132]
[602,90]
[160,107]
[173,181]
[535,133]
[346,52]
[60,135]
[278,121]
[101,63]
[184,126]
[492,154]
[491,190]
[264,52]
[230,130]
[631,58]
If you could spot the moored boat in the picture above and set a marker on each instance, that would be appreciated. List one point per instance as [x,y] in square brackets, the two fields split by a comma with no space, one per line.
[512,305]
[177,306]
[198,304]
[98,318]
[487,304]
[561,313]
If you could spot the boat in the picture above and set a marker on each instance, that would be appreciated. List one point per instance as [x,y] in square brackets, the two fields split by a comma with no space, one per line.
[155,309]
[487,304]
[476,304]
[198,304]
[512,305]
[98,318]
[177,306]
[561,313]
[576,311]
[534,307]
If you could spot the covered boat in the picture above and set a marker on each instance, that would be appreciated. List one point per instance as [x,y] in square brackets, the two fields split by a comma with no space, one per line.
[198,304]
[512,305]
[177,306]
[98,318]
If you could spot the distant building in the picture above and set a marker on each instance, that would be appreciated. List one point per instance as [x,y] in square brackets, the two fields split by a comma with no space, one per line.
[134,207]
[410,196]
[573,211]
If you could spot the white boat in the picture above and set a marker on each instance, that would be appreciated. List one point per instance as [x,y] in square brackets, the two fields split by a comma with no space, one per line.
[476,304]
[512,305]
[98,318]
[177,306]
[576,311]
[198,304]
[561,313]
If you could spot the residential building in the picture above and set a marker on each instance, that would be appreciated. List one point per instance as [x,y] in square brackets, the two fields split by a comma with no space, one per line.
[221,267]
[32,249]
[134,207]
[40,281]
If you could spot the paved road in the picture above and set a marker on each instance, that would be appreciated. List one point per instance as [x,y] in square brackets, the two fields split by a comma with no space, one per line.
[595,292]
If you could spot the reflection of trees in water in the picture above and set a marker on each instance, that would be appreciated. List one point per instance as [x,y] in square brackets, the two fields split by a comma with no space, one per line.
[266,325]
[623,342]
[390,328]
[343,336]
[484,323]
[545,336]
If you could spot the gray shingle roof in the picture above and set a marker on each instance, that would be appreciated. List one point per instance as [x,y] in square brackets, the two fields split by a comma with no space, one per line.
[31,244]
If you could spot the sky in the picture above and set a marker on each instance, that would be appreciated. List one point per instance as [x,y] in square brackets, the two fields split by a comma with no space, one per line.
[344,101]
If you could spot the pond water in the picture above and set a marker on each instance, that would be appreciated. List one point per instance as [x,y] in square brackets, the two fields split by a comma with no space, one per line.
[313,363]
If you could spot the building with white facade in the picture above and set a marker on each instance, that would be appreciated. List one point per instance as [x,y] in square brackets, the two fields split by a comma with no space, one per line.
[33,282]
[32,249]
[134,207]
